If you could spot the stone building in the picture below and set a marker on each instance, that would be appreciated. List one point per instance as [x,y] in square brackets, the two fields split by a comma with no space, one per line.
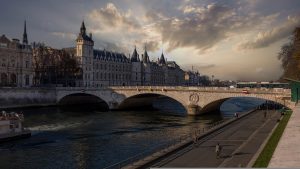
[106,68]
[15,62]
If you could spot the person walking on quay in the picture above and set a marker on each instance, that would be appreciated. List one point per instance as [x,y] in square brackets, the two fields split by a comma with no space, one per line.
[265,114]
[236,115]
[195,138]
[218,150]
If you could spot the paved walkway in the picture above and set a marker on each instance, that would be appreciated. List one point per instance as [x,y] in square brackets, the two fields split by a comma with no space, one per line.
[287,153]
[240,141]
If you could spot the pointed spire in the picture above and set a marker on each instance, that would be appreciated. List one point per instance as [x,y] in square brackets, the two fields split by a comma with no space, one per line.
[82,28]
[135,56]
[162,59]
[145,57]
[25,40]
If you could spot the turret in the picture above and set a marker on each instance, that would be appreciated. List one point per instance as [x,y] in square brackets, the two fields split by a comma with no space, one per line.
[162,60]
[145,57]
[135,56]
[82,29]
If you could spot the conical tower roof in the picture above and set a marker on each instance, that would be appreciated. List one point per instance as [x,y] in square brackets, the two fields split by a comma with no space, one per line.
[135,56]
[162,60]
[145,58]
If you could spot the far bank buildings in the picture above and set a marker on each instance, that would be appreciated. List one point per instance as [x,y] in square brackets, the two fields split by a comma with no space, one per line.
[99,67]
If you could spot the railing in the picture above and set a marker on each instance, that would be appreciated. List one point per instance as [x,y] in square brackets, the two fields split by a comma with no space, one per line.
[181,140]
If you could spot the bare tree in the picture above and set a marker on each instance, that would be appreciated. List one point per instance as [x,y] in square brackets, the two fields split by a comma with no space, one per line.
[54,67]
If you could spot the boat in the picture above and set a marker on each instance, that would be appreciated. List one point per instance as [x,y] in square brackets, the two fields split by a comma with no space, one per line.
[11,126]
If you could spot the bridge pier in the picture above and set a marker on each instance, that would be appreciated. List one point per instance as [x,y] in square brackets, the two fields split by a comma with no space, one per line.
[193,109]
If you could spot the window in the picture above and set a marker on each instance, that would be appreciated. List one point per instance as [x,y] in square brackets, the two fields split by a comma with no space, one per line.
[26,64]
[26,80]
[3,44]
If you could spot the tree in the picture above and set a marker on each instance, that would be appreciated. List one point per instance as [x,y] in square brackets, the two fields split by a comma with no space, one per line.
[54,67]
[289,58]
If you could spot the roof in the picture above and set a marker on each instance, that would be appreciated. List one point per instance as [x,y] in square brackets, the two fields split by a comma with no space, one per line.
[135,56]
[82,34]
[84,37]
[108,55]
[4,39]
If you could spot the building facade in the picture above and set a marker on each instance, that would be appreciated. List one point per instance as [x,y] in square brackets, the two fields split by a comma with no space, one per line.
[16,62]
[106,68]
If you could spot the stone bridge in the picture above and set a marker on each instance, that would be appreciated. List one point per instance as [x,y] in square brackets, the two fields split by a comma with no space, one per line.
[195,100]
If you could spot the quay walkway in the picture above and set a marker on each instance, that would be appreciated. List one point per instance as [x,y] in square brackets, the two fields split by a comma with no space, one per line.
[240,143]
[287,153]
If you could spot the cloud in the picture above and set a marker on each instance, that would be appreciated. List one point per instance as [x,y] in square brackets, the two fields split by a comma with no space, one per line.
[116,47]
[64,35]
[111,19]
[117,30]
[152,46]
[196,26]
[266,38]
[202,27]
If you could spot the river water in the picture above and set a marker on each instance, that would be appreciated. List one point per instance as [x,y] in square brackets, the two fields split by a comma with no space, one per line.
[91,139]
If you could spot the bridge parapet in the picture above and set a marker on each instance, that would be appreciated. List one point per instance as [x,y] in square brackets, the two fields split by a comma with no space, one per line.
[205,89]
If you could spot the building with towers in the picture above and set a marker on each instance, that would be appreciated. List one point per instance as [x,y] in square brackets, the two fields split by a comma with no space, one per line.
[16,61]
[107,68]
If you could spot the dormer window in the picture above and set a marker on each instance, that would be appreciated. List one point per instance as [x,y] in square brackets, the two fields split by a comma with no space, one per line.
[3,45]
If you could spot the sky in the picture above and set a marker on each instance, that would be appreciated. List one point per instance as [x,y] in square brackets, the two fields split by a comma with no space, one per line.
[227,39]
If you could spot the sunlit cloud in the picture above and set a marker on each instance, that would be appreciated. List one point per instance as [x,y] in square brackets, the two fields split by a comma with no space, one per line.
[266,38]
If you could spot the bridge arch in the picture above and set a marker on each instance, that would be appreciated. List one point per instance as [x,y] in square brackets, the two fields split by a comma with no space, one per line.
[153,100]
[215,105]
[81,99]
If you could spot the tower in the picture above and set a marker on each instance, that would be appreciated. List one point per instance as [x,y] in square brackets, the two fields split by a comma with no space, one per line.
[25,40]
[85,56]
[146,68]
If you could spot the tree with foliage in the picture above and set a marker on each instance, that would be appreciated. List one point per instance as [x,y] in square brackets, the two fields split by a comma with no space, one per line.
[289,58]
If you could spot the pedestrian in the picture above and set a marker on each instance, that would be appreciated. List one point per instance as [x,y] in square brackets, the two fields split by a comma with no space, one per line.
[236,115]
[218,150]
[265,114]
[195,139]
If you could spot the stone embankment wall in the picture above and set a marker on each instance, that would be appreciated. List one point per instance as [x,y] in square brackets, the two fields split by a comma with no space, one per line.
[25,97]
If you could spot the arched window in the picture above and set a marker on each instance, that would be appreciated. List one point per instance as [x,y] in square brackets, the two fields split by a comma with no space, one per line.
[4,80]
[13,80]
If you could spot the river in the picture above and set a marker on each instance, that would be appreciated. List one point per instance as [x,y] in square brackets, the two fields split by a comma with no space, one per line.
[91,139]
